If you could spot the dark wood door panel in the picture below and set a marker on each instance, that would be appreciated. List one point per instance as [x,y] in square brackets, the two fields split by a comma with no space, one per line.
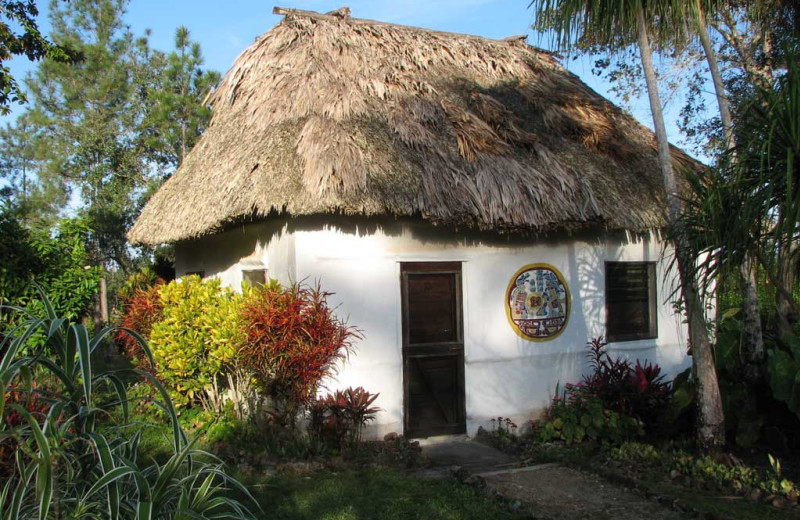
[435,395]
[433,349]
[432,312]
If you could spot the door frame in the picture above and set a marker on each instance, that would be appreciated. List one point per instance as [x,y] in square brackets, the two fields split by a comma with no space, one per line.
[452,348]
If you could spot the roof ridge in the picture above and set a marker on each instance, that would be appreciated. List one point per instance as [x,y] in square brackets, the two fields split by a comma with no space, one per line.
[344,13]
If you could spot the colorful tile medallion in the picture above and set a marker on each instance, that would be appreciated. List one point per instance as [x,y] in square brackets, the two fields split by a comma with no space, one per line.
[537,302]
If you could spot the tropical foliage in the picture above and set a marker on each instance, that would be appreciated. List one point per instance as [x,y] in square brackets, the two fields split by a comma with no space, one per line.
[294,341]
[614,403]
[197,338]
[577,415]
[638,390]
[142,309]
[338,418]
[211,344]
[59,263]
[68,460]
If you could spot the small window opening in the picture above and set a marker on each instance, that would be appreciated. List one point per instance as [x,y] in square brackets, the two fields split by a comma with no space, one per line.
[631,301]
[255,277]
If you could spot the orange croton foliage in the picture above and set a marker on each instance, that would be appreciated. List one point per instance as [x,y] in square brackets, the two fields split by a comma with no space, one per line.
[294,341]
[30,401]
[142,309]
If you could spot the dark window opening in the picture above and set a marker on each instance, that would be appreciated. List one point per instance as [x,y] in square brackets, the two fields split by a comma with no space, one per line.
[631,301]
[255,277]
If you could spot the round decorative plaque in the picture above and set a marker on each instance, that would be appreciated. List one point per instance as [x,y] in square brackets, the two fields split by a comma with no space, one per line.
[537,302]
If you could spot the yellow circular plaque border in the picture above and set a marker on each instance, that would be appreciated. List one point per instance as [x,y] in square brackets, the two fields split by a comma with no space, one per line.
[512,284]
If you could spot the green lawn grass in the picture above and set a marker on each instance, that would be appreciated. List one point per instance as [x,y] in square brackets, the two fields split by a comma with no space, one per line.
[360,494]
[353,493]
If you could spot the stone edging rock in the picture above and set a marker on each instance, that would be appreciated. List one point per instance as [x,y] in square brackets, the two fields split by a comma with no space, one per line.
[480,486]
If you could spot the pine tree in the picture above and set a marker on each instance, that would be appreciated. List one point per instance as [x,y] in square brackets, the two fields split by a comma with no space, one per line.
[92,111]
[176,115]
[38,199]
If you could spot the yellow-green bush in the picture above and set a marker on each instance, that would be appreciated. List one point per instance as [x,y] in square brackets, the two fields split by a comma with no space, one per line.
[198,339]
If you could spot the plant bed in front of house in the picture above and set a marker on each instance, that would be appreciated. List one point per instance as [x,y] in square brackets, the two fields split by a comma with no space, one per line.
[712,488]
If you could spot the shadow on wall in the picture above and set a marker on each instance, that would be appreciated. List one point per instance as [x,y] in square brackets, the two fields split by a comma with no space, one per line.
[236,242]
[245,237]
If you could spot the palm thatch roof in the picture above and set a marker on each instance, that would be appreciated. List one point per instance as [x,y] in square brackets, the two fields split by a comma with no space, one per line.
[330,114]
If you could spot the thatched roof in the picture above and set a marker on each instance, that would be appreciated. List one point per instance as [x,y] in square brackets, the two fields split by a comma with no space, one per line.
[332,114]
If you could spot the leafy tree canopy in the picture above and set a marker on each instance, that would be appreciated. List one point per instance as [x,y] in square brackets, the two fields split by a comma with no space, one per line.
[59,262]
[20,36]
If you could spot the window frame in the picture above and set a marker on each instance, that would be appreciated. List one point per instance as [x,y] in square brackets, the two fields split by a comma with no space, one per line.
[263,270]
[652,307]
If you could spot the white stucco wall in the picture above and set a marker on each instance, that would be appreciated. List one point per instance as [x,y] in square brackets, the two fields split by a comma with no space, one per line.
[505,375]
[265,245]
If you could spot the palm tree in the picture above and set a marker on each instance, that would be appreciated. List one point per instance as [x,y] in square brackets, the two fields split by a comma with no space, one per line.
[753,336]
[620,23]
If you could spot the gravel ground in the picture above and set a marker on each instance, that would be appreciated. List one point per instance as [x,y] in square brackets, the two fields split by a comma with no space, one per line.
[559,493]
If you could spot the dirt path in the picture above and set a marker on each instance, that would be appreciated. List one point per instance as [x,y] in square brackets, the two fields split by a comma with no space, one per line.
[559,493]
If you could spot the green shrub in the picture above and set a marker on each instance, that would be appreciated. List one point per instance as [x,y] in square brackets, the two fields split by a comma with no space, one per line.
[198,339]
[225,428]
[141,280]
[636,452]
[59,262]
[726,475]
[783,370]
[748,409]
[578,415]
[713,474]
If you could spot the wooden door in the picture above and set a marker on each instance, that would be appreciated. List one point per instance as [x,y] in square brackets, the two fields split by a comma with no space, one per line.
[433,349]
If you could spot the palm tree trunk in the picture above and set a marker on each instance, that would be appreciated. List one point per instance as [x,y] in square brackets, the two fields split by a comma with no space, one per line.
[753,334]
[787,267]
[753,339]
[719,88]
[710,425]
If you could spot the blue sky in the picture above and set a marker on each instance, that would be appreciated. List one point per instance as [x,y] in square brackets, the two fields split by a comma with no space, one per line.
[225,29]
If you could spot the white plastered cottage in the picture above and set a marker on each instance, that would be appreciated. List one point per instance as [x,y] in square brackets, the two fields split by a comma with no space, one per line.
[478,211]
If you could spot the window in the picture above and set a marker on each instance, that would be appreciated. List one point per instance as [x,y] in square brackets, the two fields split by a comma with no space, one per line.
[631,301]
[255,277]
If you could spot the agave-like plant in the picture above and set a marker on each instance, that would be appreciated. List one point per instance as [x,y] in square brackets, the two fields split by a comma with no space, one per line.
[70,459]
